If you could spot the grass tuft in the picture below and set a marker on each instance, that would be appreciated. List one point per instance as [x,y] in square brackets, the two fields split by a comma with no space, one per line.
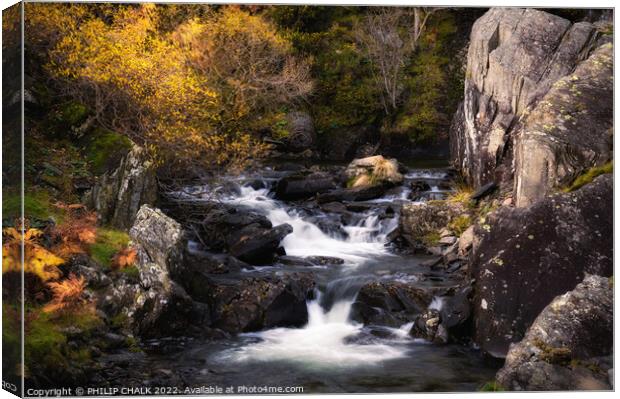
[590,175]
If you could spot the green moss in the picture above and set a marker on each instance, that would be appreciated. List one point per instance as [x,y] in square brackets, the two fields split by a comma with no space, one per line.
[37,205]
[590,175]
[43,343]
[459,224]
[553,355]
[131,271]
[72,114]
[105,148]
[491,386]
[107,244]
[431,239]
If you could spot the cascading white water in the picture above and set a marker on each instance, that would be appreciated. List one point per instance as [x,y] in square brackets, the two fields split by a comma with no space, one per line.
[365,240]
[323,341]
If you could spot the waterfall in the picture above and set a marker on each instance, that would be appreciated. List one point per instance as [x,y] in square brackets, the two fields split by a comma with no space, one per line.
[328,339]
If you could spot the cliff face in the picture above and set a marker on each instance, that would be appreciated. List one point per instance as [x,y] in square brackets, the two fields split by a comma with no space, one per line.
[517,64]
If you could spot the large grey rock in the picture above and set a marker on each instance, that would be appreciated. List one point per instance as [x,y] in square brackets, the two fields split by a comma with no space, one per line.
[562,349]
[118,196]
[523,257]
[162,307]
[569,131]
[514,57]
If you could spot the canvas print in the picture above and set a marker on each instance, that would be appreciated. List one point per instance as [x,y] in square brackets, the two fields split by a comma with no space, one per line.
[303,199]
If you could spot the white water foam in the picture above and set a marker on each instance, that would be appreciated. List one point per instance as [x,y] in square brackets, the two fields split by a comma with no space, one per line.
[366,240]
[323,342]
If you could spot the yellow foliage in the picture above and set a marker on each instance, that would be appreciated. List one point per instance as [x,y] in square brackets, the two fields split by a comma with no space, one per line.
[37,260]
[186,95]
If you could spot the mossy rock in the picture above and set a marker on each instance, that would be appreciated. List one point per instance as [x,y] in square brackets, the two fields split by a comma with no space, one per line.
[105,149]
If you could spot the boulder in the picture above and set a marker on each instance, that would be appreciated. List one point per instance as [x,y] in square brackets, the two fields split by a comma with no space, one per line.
[304,185]
[257,245]
[257,303]
[118,196]
[515,56]
[569,131]
[420,219]
[362,193]
[371,171]
[524,257]
[390,303]
[161,307]
[222,222]
[429,327]
[562,349]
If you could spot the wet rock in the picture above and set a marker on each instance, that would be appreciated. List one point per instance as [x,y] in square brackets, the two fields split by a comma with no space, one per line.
[560,349]
[304,185]
[419,186]
[429,327]
[117,196]
[375,170]
[221,223]
[256,245]
[324,260]
[389,303]
[516,276]
[253,304]
[364,193]
[334,207]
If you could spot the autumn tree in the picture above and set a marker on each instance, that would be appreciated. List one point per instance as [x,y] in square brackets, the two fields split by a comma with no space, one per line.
[188,94]
[246,61]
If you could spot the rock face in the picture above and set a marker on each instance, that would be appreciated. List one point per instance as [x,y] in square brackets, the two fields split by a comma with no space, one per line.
[526,256]
[371,171]
[568,131]
[118,196]
[566,346]
[515,57]
[164,306]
